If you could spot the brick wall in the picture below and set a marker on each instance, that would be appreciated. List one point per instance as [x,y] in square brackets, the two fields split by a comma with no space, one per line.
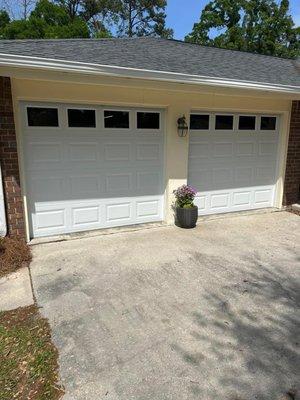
[9,163]
[292,176]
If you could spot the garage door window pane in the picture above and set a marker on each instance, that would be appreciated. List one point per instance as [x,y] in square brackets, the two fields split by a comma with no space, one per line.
[116,119]
[224,122]
[147,120]
[268,123]
[41,116]
[247,122]
[199,121]
[81,118]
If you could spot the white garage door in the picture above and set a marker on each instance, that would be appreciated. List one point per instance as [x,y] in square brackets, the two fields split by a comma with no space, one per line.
[92,167]
[233,161]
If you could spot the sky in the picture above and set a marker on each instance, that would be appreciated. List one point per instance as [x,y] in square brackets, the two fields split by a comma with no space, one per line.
[182,14]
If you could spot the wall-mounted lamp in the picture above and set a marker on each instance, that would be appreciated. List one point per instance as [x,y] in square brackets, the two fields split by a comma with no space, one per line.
[182,126]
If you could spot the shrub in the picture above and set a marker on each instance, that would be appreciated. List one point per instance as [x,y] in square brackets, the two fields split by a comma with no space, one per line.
[185,195]
[14,254]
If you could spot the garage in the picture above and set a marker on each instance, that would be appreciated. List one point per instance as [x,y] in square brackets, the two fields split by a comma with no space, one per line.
[91,167]
[233,160]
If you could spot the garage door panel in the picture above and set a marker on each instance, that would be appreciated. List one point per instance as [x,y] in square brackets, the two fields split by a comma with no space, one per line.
[201,202]
[47,220]
[241,198]
[83,186]
[119,211]
[47,188]
[148,151]
[223,149]
[44,155]
[265,175]
[245,149]
[148,209]
[114,183]
[83,153]
[219,201]
[233,170]
[116,152]
[263,196]
[85,215]
[267,148]
[222,177]
[149,182]
[200,150]
[81,179]
[200,179]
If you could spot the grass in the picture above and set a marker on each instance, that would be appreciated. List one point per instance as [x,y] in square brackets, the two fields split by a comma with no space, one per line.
[28,358]
[14,254]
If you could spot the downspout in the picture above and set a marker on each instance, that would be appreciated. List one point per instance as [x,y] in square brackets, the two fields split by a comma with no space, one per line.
[3,226]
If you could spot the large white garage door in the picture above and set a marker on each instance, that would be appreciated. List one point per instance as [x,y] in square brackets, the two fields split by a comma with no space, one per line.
[92,167]
[233,161]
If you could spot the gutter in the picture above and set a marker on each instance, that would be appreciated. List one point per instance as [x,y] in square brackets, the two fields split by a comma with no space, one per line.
[49,64]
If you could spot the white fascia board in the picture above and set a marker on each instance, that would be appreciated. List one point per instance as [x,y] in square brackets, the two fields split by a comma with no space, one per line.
[10,60]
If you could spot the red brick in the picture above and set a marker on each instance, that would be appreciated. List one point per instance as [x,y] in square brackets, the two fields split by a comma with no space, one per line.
[9,163]
[292,176]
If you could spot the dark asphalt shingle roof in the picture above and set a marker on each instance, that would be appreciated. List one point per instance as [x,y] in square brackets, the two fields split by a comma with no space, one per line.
[163,55]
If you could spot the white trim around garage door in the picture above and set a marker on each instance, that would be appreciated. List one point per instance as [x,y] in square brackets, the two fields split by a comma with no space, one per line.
[234,169]
[64,166]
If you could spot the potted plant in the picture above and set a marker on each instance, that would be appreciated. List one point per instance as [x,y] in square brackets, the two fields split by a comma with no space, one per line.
[186,211]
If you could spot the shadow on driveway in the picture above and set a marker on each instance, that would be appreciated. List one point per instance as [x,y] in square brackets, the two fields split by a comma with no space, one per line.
[169,314]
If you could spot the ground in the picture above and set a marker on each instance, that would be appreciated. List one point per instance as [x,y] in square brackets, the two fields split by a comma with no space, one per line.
[165,313]
[28,359]
[14,254]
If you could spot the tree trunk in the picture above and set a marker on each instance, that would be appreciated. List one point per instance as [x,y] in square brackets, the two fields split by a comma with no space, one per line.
[130,33]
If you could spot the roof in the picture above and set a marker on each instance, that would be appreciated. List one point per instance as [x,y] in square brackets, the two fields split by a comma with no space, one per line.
[164,55]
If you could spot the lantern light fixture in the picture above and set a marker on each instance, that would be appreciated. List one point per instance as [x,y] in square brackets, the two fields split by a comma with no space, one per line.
[182,126]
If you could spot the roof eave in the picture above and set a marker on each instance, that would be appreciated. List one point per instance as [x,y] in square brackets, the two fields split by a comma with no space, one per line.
[29,62]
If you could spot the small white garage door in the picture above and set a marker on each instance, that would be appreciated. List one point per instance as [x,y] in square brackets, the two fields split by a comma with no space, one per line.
[233,161]
[92,167]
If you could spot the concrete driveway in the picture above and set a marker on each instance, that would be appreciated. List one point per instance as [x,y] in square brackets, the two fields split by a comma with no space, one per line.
[170,314]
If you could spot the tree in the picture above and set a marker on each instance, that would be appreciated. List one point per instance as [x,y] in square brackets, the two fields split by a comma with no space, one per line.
[259,26]
[142,18]
[21,8]
[4,19]
[127,17]
[46,21]
[100,15]
[84,18]
[72,7]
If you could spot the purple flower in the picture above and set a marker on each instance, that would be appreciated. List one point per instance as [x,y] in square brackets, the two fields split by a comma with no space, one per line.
[185,195]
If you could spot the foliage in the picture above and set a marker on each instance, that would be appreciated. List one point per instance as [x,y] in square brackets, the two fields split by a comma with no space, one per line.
[28,359]
[142,18]
[85,18]
[126,17]
[259,26]
[47,21]
[184,196]
[4,18]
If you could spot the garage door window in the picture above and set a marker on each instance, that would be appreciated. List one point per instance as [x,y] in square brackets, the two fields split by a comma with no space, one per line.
[81,118]
[268,123]
[199,121]
[116,119]
[224,122]
[247,122]
[42,116]
[147,120]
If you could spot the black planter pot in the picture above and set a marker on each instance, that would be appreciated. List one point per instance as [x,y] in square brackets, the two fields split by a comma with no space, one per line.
[186,217]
